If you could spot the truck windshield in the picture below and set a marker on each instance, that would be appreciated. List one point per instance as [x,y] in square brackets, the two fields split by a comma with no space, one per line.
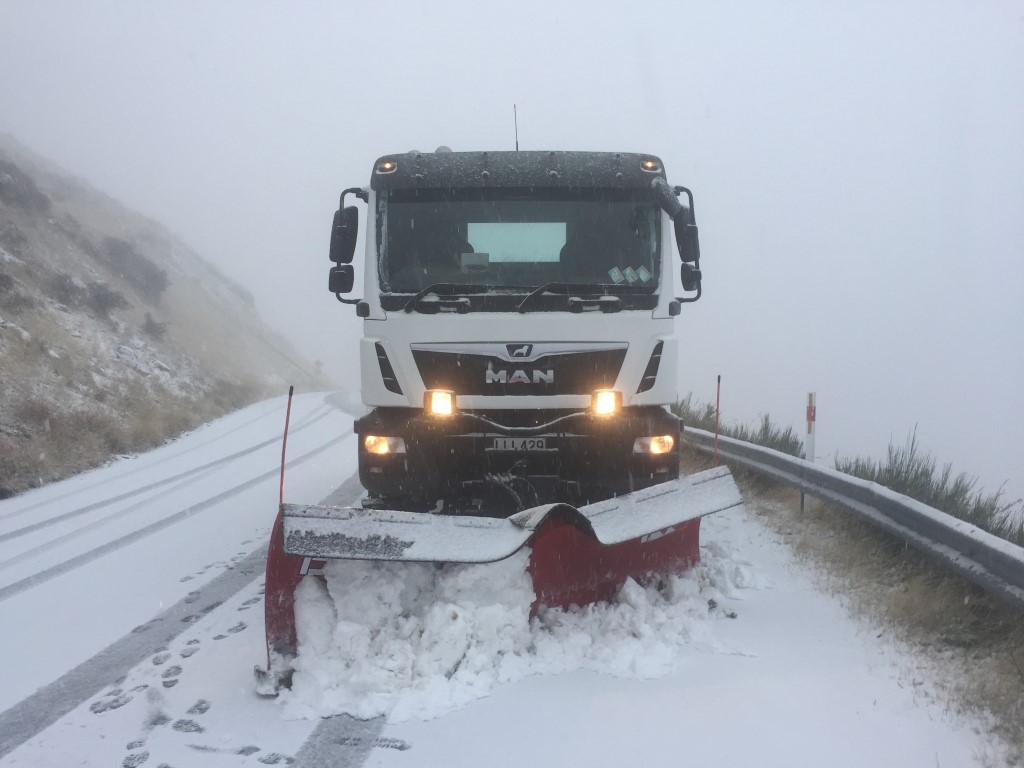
[510,241]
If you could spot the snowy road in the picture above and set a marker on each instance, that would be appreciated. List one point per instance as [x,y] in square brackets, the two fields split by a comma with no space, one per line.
[130,601]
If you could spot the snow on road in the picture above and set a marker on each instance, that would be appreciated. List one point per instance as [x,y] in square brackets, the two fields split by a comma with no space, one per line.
[771,672]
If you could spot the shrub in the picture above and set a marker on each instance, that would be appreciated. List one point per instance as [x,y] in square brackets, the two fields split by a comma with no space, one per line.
[697,415]
[15,302]
[702,416]
[34,411]
[915,473]
[136,269]
[771,436]
[64,288]
[13,239]
[103,300]
[18,189]
[153,328]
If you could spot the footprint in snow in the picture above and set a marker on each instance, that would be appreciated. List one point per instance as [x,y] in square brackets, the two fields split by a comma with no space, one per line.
[135,760]
[249,603]
[187,726]
[201,707]
[113,700]
[188,651]
[276,758]
[233,630]
[160,658]
[170,676]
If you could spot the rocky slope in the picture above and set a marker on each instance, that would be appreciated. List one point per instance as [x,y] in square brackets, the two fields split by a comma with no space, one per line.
[114,335]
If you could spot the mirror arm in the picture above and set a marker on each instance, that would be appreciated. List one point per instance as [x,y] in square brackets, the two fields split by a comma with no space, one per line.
[689,299]
[689,199]
[358,192]
[346,301]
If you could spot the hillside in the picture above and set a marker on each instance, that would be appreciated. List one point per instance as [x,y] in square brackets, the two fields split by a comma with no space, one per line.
[114,335]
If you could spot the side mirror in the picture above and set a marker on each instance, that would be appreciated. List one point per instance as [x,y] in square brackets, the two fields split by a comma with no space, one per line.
[687,241]
[343,235]
[689,275]
[341,278]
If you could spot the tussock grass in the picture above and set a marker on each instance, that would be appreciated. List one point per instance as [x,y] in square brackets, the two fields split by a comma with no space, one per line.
[702,416]
[914,472]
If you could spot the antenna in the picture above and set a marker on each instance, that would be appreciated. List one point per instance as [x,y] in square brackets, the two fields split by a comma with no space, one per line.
[515,119]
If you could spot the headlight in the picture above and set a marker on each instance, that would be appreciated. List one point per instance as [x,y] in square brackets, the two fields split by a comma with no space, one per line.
[654,445]
[383,445]
[605,402]
[439,402]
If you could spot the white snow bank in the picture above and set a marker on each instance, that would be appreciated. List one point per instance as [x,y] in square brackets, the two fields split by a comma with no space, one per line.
[415,641]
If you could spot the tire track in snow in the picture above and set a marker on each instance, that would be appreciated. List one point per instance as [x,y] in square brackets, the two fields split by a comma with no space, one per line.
[46,706]
[112,546]
[75,533]
[24,531]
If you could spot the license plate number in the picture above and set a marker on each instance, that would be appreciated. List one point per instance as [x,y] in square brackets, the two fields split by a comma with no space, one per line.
[519,444]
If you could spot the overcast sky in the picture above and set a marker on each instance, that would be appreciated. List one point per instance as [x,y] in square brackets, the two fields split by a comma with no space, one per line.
[858,169]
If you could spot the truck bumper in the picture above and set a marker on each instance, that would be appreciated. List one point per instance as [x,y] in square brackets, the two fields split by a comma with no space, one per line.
[579,457]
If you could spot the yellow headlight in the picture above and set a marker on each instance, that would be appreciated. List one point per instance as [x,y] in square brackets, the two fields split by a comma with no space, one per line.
[439,402]
[662,443]
[383,445]
[605,402]
[654,445]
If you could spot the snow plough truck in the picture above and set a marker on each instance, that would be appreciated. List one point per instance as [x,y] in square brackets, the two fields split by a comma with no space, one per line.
[518,361]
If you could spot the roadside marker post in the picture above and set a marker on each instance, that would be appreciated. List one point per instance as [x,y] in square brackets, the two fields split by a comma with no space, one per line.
[812,416]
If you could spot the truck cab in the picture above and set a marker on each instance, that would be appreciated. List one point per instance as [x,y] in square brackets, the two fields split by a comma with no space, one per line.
[518,326]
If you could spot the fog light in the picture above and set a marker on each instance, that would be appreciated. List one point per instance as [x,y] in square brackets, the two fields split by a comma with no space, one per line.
[654,445]
[439,402]
[605,402]
[383,445]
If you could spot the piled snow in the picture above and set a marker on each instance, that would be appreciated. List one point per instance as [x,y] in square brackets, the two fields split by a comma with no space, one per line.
[415,641]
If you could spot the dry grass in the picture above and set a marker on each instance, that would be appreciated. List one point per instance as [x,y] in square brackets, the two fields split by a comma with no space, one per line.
[63,443]
[975,642]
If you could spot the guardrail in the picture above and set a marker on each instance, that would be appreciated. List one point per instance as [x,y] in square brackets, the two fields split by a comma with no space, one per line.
[993,563]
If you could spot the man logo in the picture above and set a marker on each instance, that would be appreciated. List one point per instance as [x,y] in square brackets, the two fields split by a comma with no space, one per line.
[519,350]
[519,377]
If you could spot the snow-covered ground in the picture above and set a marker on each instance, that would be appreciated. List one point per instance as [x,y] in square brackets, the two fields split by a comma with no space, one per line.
[130,599]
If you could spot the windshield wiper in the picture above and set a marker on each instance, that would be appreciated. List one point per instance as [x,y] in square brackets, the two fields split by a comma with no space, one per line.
[447,289]
[570,288]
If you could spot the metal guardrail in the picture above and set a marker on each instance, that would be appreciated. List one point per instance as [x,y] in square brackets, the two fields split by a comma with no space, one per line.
[993,563]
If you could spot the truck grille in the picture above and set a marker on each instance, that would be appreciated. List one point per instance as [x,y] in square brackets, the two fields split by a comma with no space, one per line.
[563,373]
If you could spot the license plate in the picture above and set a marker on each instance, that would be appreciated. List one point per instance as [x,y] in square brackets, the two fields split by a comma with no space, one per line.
[519,444]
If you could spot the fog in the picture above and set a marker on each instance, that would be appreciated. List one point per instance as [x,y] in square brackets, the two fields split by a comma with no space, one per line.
[858,170]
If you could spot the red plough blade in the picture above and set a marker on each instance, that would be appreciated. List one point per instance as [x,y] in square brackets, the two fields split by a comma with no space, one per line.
[577,556]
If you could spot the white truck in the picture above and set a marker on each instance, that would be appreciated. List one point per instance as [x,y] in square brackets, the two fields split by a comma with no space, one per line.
[518,338]
[519,359]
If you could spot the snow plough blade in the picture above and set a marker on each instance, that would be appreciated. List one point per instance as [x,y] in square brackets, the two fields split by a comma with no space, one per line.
[577,556]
